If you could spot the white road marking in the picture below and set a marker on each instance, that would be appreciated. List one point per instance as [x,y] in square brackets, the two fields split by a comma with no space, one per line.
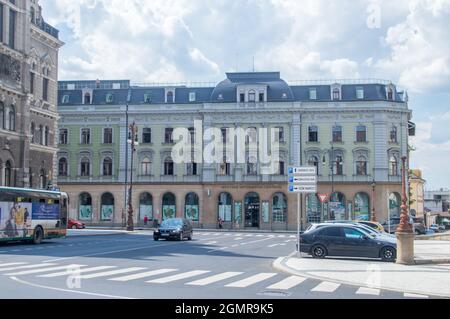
[227,234]
[259,235]
[178,277]
[211,243]
[11,264]
[249,235]
[235,245]
[368,291]
[287,283]
[251,280]
[238,238]
[408,295]
[35,271]
[326,286]
[292,236]
[281,236]
[271,246]
[111,273]
[283,244]
[26,267]
[84,270]
[213,279]
[143,275]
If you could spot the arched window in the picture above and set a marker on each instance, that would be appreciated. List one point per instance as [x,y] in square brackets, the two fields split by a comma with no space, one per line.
[85,206]
[107,211]
[168,166]
[85,167]
[393,166]
[169,207]
[394,205]
[87,98]
[338,165]
[313,209]
[146,167]
[145,206]
[2,115]
[107,166]
[191,207]
[393,135]
[251,96]
[362,206]
[361,166]
[390,94]
[33,132]
[314,161]
[225,206]
[336,94]
[279,208]
[8,174]
[170,97]
[62,167]
[12,118]
[42,179]
[336,206]
[46,133]
[252,209]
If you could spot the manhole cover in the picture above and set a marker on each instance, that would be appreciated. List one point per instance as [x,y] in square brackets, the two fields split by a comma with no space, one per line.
[274,293]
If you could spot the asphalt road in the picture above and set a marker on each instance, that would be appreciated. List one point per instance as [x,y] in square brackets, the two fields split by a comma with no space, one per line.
[212,266]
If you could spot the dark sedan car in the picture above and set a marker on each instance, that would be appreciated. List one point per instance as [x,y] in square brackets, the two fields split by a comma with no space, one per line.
[347,241]
[174,228]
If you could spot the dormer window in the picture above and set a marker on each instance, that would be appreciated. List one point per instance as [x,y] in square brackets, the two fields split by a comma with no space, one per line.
[109,98]
[312,94]
[242,97]
[65,99]
[170,97]
[336,94]
[390,94]
[252,96]
[359,93]
[192,97]
[87,98]
[261,97]
[147,98]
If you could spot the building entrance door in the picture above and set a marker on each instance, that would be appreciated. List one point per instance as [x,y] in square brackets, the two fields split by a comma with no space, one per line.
[252,210]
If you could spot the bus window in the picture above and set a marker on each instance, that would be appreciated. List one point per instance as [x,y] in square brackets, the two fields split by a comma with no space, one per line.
[63,212]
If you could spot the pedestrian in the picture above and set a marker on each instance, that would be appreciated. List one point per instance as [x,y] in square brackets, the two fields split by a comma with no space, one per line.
[220,223]
[145,220]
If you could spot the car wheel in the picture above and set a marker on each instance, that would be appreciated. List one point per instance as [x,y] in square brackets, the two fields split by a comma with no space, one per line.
[74,227]
[417,232]
[190,236]
[318,251]
[388,254]
[155,238]
[181,237]
[38,235]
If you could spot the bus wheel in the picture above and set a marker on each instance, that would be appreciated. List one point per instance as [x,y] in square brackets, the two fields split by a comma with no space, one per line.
[38,235]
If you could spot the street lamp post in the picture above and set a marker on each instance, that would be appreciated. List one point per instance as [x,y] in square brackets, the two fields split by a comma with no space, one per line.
[373,217]
[331,166]
[133,129]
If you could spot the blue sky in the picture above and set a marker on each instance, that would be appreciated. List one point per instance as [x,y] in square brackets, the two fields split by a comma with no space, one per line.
[407,42]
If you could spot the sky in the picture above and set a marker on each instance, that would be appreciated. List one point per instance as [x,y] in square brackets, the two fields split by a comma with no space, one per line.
[148,41]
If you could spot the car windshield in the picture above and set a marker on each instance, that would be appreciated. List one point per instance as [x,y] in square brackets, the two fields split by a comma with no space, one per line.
[172,223]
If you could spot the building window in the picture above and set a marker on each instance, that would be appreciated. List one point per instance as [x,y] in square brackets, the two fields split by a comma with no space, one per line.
[8,174]
[62,167]
[361,134]
[33,132]
[359,93]
[252,135]
[280,136]
[252,168]
[390,94]
[86,136]
[145,207]
[225,207]
[42,179]
[45,89]
[251,96]
[168,136]
[261,97]
[313,134]
[65,99]
[281,168]
[393,135]
[107,135]
[31,82]
[314,161]
[147,98]
[146,166]
[279,208]
[338,166]
[393,166]
[192,96]
[85,167]
[223,131]
[40,135]
[63,136]
[12,118]
[242,97]
[191,169]
[362,206]
[107,211]
[313,94]
[336,94]
[12,29]
[168,167]
[361,166]
[85,206]
[192,134]
[107,166]
[87,98]
[169,206]
[2,115]
[224,168]
[337,133]
[170,97]
[146,135]
[46,136]
[109,98]
[191,207]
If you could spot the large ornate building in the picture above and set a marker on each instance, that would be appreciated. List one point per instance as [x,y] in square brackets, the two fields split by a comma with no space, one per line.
[28,95]
[354,133]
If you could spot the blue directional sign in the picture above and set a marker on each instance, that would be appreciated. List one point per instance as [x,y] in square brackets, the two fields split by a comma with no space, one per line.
[302,179]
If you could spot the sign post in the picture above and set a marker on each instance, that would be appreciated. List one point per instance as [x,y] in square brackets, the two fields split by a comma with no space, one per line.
[302,180]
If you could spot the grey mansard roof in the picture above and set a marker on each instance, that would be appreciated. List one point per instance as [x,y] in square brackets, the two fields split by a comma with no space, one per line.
[224,92]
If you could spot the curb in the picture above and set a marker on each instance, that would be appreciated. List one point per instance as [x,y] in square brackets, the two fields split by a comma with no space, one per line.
[431,261]
[280,265]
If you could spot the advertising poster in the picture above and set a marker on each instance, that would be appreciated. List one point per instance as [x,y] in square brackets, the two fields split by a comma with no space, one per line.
[361,208]
[238,212]
[45,211]
[192,212]
[145,210]
[225,212]
[337,211]
[168,211]
[107,212]
[265,211]
[15,219]
[85,212]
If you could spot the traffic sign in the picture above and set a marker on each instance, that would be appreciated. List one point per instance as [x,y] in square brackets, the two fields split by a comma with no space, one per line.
[306,189]
[323,197]
[303,179]
[303,170]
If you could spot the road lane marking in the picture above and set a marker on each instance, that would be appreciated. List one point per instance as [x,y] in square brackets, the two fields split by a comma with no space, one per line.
[211,243]
[245,243]
[249,235]
[281,236]
[251,280]
[185,275]
[26,267]
[143,275]
[408,295]
[35,271]
[68,290]
[238,238]
[213,279]
[326,286]
[112,272]
[80,271]
[368,291]
[11,264]
[287,283]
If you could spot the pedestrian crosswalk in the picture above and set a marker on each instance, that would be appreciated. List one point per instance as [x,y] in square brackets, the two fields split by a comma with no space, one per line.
[270,281]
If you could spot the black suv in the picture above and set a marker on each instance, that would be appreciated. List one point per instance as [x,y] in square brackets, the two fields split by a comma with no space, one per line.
[174,228]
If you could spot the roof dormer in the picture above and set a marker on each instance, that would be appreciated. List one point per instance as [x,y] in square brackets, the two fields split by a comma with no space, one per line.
[251,93]
[390,92]
[336,92]
[169,95]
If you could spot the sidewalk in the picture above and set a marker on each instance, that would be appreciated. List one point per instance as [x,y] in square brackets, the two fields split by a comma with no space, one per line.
[423,279]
